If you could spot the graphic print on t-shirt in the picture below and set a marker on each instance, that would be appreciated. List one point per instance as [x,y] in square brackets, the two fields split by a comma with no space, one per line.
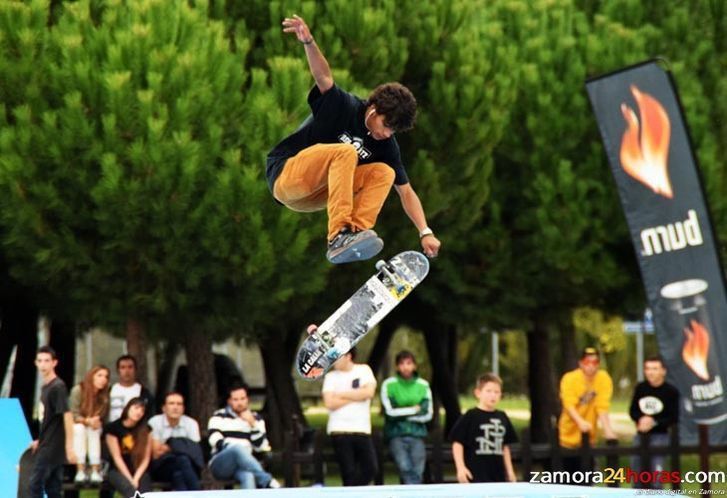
[127,443]
[357,143]
[490,443]
[651,405]
[586,397]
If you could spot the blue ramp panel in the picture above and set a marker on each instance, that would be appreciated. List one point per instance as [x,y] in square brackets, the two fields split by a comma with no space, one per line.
[14,440]
[494,490]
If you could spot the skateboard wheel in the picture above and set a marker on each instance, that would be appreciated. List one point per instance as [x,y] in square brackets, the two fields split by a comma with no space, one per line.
[380,264]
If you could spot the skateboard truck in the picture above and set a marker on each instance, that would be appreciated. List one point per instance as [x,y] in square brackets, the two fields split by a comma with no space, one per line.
[384,268]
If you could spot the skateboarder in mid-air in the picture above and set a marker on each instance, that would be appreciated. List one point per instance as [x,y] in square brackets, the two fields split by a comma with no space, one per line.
[345,158]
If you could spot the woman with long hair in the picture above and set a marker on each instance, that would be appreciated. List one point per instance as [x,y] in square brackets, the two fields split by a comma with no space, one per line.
[89,405]
[129,445]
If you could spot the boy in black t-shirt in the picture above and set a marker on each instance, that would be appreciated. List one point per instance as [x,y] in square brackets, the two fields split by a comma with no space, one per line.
[654,408]
[481,437]
[55,440]
[345,158]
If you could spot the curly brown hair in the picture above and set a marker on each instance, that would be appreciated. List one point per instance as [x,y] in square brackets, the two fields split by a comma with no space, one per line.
[396,103]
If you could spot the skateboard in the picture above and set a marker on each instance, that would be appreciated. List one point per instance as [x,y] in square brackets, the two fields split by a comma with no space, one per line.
[25,468]
[394,280]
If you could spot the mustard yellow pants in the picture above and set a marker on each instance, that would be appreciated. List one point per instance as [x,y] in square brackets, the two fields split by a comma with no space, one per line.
[328,176]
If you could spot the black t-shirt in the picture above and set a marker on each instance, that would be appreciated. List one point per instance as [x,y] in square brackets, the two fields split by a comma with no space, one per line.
[338,117]
[661,403]
[52,436]
[483,435]
[127,442]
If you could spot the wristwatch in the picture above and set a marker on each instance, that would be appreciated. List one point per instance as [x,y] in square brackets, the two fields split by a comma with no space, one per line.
[426,231]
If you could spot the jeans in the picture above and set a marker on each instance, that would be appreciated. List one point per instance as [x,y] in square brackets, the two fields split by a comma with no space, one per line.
[46,476]
[123,486]
[657,461]
[329,176]
[177,469]
[85,438]
[410,456]
[356,458]
[238,461]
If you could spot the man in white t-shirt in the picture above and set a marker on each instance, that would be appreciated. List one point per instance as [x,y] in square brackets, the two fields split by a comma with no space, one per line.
[347,393]
[127,388]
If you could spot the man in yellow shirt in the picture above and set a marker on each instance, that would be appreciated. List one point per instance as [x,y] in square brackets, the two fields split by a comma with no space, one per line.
[585,394]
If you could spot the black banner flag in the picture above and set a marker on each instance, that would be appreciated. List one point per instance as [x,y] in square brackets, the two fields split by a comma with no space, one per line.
[648,147]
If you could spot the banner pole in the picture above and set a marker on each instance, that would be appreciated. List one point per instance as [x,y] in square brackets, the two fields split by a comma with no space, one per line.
[704,453]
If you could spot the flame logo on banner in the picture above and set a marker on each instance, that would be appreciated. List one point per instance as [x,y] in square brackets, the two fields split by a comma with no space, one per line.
[645,143]
[695,349]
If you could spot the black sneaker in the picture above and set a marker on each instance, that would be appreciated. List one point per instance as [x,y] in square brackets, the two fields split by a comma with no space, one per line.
[353,246]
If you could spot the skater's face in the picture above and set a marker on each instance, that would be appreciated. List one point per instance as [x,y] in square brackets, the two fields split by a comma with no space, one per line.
[45,363]
[654,372]
[488,395]
[406,368]
[127,371]
[376,124]
[238,400]
[173,406]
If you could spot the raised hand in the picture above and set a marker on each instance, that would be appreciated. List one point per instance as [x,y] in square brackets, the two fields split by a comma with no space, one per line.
[297,25]
[431,245]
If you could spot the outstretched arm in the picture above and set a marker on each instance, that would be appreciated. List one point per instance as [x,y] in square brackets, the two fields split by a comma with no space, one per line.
[413,208]
[318,64]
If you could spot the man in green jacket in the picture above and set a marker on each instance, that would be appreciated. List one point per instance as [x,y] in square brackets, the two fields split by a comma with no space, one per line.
[407,402]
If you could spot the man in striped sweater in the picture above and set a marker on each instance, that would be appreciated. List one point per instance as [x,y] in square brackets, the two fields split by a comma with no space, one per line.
[407,402]
[235,432]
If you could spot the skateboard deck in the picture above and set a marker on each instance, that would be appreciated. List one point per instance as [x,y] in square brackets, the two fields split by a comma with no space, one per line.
[25,468]
[393,281]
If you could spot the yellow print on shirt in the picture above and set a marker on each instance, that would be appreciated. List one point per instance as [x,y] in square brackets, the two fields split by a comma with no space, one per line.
[127,443]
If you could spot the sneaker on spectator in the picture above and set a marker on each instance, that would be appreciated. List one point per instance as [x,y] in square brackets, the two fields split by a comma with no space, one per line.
[274,484]
[96,477]
[80,477]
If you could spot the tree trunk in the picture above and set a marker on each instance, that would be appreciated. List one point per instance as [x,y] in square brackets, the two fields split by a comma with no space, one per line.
[136,345]
[22,323]
[63,341]
[540,379]
[7,343]
[381,345]
[201,372]
[165,371]
[568,348]
[453,355]
[282,399]
[275,419]
[436,337]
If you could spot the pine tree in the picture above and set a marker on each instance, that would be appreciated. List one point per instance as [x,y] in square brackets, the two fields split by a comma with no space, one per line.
[132,172]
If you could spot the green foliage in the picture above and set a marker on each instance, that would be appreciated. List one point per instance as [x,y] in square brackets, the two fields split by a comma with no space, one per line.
[132,173]
[133,137]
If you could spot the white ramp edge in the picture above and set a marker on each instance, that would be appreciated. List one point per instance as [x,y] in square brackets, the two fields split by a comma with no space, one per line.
[486,490]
